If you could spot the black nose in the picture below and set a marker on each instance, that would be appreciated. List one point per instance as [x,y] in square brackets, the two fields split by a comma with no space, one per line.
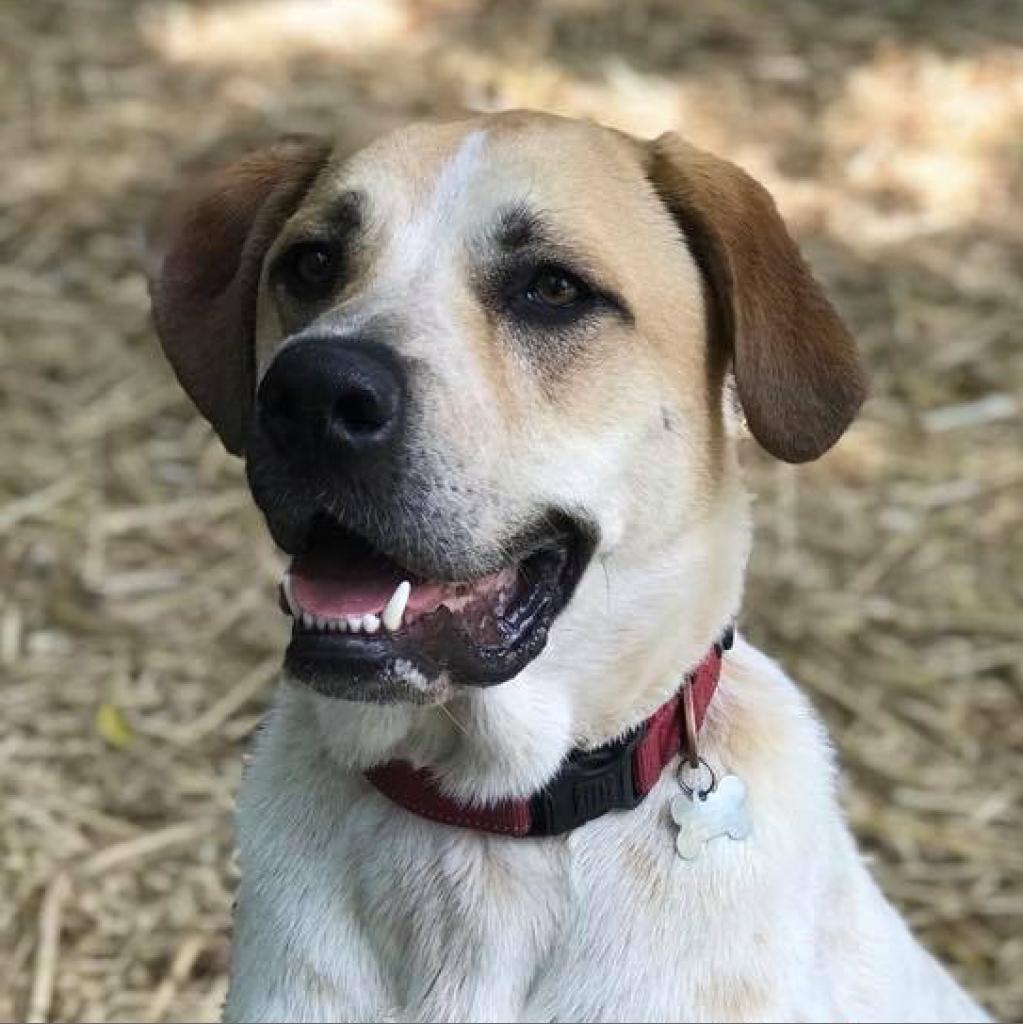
[338,396]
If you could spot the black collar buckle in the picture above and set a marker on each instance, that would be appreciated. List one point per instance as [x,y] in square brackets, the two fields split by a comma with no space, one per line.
[591,783]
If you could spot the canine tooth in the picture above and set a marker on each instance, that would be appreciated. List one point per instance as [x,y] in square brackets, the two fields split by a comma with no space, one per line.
[307,620]
[370,623]
[289,596]
[394,610]
[354,623]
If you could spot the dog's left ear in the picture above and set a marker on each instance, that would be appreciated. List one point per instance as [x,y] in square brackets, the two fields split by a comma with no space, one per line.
[204,287]
[798,374]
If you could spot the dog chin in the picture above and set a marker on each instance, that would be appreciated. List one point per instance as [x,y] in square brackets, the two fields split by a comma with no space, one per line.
[397,681]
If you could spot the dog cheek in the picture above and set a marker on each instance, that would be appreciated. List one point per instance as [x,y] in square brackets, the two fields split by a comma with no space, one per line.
[669,481]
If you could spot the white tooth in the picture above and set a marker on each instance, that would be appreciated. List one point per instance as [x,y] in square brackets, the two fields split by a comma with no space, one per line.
[354,622]
[321,623]
[307,620]
[289,596]
[394,610]
[340,625]
[370,623]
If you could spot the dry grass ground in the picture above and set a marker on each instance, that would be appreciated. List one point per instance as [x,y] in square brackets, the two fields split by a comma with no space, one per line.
[138,632]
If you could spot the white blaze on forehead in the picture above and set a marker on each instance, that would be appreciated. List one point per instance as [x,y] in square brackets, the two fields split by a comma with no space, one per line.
[415,243]
[456,174]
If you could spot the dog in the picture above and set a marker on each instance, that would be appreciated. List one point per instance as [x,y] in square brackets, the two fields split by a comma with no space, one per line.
[485,377]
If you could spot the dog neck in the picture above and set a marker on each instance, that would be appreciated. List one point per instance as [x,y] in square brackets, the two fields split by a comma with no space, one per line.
[636,624]
[593,781]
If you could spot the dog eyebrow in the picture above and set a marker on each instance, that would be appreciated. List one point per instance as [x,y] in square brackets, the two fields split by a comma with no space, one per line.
[345,214]
[517,228]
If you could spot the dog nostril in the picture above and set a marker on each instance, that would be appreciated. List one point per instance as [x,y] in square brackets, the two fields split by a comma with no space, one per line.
[361,411]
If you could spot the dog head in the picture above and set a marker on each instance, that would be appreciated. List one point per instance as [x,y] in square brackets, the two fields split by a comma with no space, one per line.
[477,372]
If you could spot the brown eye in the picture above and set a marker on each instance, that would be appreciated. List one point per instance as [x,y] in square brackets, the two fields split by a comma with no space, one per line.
[310,270]
[554,288]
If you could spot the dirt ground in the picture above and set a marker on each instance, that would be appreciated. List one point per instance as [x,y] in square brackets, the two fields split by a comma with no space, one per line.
[138,630]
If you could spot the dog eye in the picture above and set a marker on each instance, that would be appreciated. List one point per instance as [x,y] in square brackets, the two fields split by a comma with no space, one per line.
[555,289]
[310,269]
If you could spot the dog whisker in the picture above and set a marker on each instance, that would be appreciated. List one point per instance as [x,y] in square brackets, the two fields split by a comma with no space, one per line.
[444,709]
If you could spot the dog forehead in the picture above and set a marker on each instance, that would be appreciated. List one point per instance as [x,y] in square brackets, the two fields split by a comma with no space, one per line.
[462,172]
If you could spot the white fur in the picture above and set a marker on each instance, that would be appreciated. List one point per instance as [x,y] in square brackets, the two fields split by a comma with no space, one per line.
[428,225]
[352,908]
[456,175]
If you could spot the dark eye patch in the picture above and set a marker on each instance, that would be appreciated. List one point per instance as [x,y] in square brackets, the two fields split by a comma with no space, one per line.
[546,289]
[313,268]
[308,271]
[546,295]
[530,278]
[548,305]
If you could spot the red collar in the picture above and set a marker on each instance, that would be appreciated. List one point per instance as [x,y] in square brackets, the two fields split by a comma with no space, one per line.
[615,776]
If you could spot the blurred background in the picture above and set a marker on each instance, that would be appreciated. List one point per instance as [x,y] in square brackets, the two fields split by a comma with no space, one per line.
[139,635]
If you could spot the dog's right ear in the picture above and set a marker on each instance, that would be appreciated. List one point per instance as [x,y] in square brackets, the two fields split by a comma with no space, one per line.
[204,287]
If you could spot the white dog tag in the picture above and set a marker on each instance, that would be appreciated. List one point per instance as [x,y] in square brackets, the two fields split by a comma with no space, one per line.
[703,815]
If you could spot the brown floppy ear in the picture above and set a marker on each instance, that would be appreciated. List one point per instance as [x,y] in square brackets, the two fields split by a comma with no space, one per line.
[203,293]
[798,374]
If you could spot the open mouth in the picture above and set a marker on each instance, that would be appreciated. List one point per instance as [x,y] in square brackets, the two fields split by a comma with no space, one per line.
[366,627]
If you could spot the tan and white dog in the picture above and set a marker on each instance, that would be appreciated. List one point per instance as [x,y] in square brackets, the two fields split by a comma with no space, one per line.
[481,374]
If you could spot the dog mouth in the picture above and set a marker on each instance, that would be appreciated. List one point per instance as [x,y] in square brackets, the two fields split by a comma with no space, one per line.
[367,627]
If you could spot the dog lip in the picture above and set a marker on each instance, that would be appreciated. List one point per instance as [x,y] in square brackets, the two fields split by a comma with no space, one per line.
[359,669]
[439,648]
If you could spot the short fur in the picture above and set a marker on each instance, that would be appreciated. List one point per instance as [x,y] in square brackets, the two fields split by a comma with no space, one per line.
[351,908]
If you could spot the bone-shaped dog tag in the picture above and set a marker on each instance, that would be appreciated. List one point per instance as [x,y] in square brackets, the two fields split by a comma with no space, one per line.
[703,816]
